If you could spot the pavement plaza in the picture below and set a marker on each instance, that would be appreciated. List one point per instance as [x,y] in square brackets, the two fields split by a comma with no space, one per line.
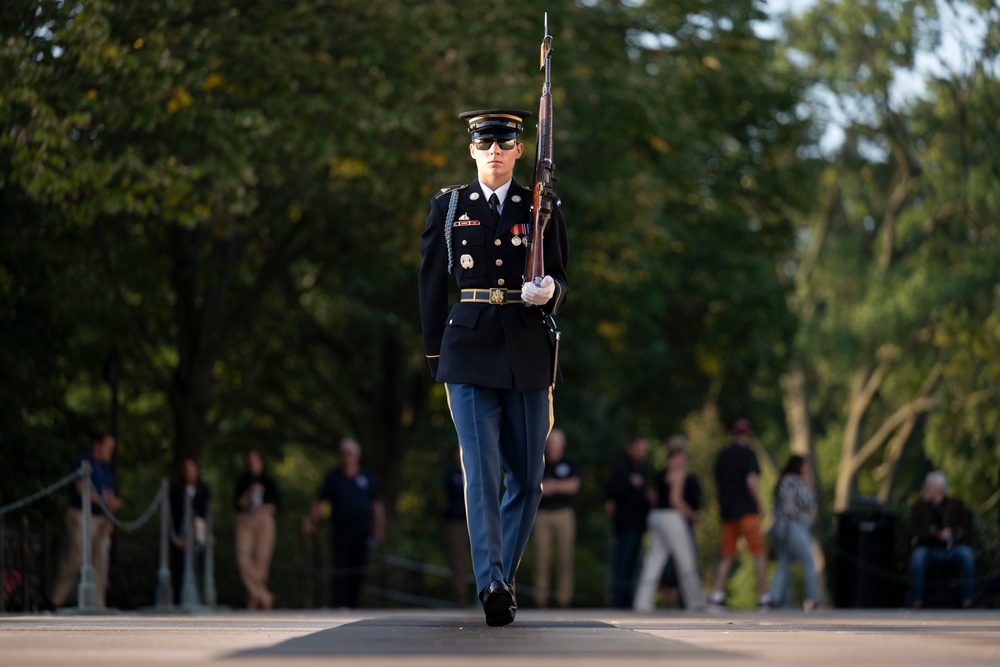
[418,638]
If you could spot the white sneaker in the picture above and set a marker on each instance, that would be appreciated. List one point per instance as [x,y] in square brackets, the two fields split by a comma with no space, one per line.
[716,602]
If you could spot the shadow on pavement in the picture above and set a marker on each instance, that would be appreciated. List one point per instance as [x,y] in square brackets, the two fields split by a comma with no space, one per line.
[460,636]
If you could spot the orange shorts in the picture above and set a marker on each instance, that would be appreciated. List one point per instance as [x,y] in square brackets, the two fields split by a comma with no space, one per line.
[747,527]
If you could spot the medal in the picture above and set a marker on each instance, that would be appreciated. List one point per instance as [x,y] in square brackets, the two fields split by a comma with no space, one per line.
[515,240]
[466,261]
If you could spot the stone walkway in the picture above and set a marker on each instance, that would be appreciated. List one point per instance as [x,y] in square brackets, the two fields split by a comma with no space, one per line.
[419,638]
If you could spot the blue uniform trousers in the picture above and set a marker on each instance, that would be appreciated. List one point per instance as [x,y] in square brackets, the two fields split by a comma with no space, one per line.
[500,429]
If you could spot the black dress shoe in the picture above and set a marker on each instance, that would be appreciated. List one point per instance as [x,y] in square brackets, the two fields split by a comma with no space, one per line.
[498,603]
[513,595]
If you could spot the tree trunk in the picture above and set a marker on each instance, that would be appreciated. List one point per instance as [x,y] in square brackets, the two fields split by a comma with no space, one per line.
[200,301]
[190,396]
[796,401]
[856,408]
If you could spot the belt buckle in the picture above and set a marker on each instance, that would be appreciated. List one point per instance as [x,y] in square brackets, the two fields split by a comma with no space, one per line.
[498,296]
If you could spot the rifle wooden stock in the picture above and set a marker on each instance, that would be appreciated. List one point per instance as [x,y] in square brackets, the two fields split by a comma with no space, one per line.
[543,196]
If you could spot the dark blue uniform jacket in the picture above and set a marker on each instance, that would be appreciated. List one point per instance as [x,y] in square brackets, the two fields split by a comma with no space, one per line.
[488,345]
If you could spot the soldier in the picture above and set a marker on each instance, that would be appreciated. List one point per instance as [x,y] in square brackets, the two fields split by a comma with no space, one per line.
[492,348]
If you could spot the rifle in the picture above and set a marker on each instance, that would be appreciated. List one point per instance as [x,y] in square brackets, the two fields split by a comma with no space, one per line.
[543,196]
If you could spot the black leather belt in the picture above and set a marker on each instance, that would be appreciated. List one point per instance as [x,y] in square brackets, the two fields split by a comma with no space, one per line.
[498,296]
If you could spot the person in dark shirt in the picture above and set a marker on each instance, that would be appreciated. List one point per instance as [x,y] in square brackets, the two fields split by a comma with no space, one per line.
[677,497]
[941,530]
[736,481]
[556,522]
[257,502]
[456,533]
[626,503]
[357,518]
[102,448]
[188,485]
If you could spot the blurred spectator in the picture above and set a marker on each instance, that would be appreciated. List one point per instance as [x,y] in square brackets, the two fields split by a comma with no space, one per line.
[257,502]
[677,496]
[556,522]
[456,533]
[626,503]
[941,529]
[357,517]
[736,479]
[102,488]
[794,511]
[188,484]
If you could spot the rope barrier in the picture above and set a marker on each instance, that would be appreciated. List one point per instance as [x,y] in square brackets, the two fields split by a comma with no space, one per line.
[24,502]
[137,523]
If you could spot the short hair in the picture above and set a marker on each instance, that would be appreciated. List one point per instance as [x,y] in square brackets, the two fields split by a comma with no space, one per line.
[349,443]
[938,479]
[99,436]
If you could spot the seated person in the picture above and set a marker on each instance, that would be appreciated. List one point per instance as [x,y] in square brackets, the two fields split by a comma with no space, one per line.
[941,529]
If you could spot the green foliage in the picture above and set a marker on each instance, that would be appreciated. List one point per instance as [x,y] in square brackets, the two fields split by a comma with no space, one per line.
[900,251]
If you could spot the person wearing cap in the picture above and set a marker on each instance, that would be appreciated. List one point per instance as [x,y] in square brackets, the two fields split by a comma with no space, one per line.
[737,478]
[491,347]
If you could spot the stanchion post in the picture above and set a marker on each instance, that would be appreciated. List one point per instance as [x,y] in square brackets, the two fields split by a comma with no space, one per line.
[87,592]
[164,591]
[189,589]
[305,549]
[209,582]
[3,543]
[25,563]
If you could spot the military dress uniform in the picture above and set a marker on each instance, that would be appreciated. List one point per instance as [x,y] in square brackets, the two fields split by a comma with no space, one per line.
[495,355]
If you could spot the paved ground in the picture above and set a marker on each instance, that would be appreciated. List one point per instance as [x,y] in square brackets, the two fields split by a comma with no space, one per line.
[421,638]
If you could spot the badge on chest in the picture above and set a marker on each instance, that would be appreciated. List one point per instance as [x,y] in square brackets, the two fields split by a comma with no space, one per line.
[464,221]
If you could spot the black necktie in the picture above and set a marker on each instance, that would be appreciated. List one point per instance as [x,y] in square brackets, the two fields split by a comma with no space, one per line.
[495,205]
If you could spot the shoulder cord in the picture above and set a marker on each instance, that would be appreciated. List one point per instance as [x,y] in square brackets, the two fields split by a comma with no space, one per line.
[452,205]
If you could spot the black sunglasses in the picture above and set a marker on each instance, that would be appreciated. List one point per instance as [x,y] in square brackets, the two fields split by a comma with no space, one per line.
[485,144]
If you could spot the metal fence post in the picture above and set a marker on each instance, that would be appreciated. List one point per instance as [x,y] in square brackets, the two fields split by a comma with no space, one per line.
[25,564]
[305,551]
[87,591]
[3,544]
[189,589]
[164,590]
[209,582]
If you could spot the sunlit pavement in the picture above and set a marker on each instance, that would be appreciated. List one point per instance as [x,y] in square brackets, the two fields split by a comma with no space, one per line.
[444,638]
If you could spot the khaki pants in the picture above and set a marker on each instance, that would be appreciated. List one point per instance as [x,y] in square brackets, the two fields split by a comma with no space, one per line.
[255,535]
[558,526]
[100,548]
[669,535]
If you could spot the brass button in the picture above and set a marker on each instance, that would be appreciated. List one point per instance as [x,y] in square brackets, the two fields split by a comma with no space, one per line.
[500,282]
[464,242]
[496,242]
[499,262]
[451,321]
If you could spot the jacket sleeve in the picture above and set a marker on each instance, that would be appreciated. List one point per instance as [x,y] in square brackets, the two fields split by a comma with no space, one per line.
[556,256]
[433,285]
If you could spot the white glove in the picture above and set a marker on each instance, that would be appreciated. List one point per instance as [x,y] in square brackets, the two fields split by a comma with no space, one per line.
[538,295]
